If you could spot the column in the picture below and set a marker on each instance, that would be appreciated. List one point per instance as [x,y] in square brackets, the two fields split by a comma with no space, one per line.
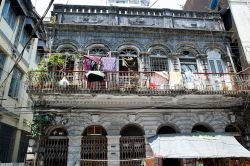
[175,62]
[113,150]
[74,151]
[204,65]
[16,145]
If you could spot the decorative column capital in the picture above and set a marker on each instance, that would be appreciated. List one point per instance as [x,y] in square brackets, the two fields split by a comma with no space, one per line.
[174,55]
[144,53]
[114,53]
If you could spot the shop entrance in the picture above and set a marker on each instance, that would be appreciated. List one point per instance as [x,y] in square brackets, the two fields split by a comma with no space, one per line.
[168,130]
[172,162]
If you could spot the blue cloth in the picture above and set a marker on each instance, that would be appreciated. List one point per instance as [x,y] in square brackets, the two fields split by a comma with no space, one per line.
[213,4]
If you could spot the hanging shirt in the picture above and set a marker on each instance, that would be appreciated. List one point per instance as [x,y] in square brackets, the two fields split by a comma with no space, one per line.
[108,63]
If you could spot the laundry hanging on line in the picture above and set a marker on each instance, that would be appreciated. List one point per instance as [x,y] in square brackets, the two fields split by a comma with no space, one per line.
[108,63]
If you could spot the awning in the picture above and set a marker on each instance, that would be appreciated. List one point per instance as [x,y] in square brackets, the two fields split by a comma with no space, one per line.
[197,146]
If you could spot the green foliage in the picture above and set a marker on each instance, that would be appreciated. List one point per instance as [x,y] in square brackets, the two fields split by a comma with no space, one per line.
[42,65]
[35,129]
[36,124]
[56,59]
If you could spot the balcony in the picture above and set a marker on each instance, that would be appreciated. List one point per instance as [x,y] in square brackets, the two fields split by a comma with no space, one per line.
[139,83]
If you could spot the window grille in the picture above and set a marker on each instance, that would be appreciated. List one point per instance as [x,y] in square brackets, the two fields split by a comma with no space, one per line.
[98,51]
[159,64]
[15,83]
[128,52]
[158,60]
[94,148]
[132,147]
[55,152]
[54,149]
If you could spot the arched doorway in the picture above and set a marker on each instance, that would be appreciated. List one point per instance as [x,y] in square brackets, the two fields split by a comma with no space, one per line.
[168,130]
[55,148]
[132,146]
[201,128]
[235,131]
[94,146]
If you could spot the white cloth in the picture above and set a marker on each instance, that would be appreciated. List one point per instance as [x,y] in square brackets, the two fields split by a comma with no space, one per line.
[197,146]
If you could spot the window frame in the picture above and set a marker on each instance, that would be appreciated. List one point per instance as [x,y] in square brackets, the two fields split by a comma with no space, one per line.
[9,14]
[24,37]
[188,58]
[15,84]
[158,55]
[218,64]
[2,63]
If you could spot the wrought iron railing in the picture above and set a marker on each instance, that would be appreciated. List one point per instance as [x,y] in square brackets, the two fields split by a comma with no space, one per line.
[137,82]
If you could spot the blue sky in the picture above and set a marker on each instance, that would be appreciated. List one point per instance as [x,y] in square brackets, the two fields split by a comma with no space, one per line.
[42,4]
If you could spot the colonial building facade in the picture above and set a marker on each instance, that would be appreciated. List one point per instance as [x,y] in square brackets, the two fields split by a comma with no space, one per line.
[128,74]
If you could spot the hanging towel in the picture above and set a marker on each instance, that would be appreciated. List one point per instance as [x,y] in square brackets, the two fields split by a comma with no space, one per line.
[175,79]
[108,63]
[188,76]
[96,59]
[86,64]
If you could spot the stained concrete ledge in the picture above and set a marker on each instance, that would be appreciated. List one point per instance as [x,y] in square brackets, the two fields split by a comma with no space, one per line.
[136,101]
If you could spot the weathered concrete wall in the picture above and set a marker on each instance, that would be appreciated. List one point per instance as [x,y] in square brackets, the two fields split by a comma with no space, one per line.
[142,17]
[150,120]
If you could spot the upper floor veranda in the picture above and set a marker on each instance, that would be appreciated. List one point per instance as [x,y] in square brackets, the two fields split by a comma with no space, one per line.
[156,72]
[136,16]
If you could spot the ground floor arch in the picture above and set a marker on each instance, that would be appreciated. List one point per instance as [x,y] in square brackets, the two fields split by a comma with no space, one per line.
[132,145]
[54,148]
[94,146]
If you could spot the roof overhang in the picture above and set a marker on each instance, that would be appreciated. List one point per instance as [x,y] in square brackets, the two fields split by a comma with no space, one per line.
[22,7]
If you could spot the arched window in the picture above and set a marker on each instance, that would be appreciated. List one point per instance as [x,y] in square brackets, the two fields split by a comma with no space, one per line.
[128,52]
[188,61]
[95,130]
[58,132]
[159,60]
[132,130]
[201,128]
[215,63]
[128,59]
[68,55]
[99,51]
[166,130]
